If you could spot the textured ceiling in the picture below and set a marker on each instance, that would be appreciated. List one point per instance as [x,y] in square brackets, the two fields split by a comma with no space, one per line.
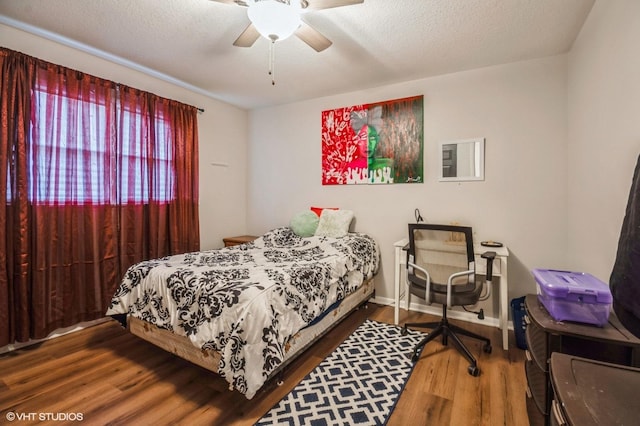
[375,43]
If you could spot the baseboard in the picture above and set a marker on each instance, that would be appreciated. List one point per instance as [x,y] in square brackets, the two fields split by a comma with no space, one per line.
[57,333]
[453,314]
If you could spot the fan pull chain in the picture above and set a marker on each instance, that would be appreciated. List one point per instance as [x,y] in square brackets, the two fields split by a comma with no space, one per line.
[272,61]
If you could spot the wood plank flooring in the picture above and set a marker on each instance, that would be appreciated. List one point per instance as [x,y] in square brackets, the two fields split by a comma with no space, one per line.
[109,376]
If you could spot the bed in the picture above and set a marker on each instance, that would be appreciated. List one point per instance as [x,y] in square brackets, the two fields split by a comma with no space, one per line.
[246,311]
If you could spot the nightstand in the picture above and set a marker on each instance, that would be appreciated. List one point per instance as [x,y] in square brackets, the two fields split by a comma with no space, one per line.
[234,241]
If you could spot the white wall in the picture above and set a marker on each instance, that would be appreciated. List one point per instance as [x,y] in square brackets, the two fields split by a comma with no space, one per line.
[519,108]
[222,132]
[562,139]
[604,132]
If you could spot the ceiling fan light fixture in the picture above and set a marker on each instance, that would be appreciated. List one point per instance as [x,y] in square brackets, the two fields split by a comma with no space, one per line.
[274,19]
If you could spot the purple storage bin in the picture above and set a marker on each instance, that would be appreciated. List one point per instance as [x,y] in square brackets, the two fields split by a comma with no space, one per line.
[574,296]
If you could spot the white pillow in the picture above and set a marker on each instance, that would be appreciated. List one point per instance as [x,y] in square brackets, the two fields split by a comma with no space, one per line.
[334,223]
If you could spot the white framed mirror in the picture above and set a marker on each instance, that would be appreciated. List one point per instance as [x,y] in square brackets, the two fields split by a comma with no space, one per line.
[462,160]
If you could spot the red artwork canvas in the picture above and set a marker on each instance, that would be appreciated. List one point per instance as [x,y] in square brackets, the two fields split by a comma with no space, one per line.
[373,143]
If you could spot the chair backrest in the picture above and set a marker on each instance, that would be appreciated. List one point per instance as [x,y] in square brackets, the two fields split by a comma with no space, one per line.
[442,250]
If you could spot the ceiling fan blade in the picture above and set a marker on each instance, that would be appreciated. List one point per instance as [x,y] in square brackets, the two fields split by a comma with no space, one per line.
[328,4]
[238,2]
[312,37]
[248,37]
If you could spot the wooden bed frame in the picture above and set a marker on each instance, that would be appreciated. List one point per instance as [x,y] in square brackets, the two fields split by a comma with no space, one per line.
[209,359]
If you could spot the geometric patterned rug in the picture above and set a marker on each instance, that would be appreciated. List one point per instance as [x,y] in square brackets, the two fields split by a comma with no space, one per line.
[359,383]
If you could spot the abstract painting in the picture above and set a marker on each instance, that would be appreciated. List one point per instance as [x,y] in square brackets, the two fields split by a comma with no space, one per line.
[378,143]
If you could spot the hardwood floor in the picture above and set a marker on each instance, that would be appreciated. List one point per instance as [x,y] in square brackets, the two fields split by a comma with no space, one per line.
[108,376]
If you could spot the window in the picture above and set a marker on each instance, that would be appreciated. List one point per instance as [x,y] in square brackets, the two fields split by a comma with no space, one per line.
[75,158]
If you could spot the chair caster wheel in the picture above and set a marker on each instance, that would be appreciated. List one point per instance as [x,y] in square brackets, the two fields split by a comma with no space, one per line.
[404,331]
[473,370]
[487,348]
[415,357]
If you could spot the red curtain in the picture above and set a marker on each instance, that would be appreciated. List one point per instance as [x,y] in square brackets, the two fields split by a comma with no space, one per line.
[95,176]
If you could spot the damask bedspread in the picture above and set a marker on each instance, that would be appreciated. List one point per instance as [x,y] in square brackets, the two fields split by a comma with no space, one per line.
[247,301]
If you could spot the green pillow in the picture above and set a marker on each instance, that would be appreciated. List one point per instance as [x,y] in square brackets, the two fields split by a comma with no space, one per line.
[304,224]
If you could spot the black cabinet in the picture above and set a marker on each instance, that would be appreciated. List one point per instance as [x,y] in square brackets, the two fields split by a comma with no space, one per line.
[611,343]
[590,393]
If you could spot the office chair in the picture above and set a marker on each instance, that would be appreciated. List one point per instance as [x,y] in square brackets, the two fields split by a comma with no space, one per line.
[441,269]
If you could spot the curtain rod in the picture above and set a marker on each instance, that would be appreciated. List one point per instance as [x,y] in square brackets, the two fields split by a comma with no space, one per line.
[200,110]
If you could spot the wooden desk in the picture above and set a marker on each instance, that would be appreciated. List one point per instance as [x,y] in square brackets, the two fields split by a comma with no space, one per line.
[499,270]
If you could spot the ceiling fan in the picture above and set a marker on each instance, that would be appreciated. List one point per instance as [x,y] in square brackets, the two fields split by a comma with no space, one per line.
[278,19]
